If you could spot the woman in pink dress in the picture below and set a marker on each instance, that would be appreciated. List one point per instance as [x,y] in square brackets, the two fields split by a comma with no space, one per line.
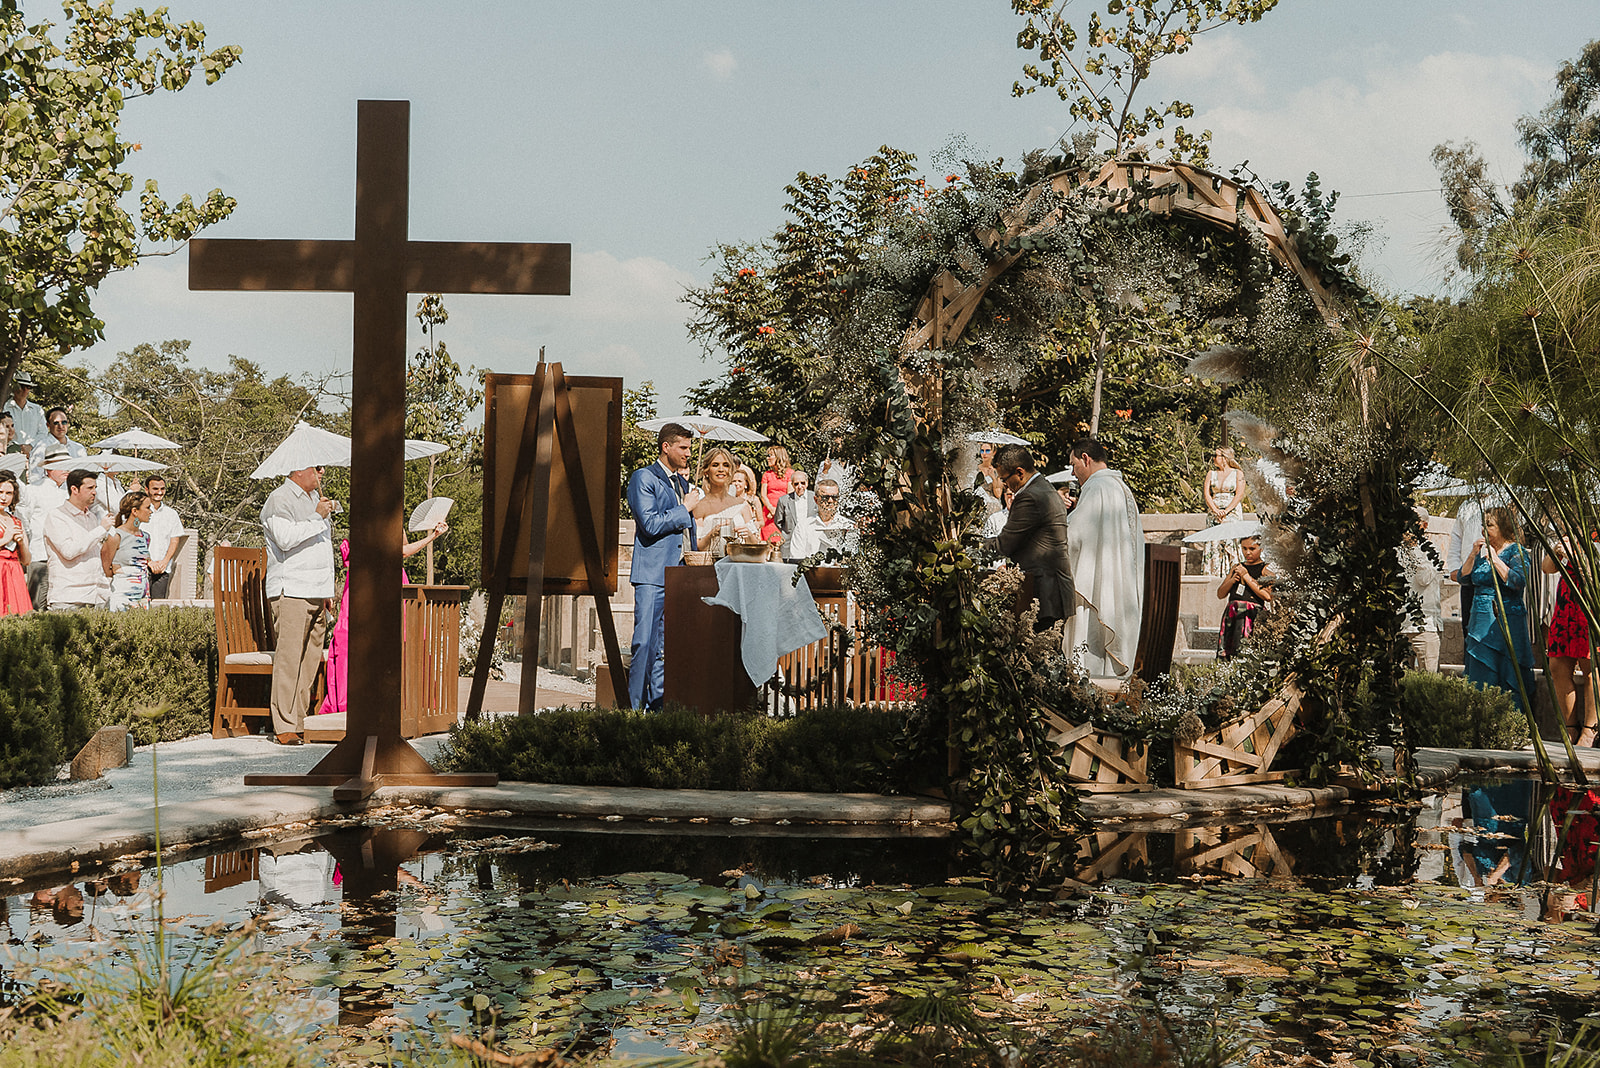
[774,484]
[14,554]
[338,696]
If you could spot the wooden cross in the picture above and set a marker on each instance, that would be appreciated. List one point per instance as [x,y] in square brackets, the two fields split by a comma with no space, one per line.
[381,267]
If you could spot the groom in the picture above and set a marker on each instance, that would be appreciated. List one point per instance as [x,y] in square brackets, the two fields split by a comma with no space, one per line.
[660,498]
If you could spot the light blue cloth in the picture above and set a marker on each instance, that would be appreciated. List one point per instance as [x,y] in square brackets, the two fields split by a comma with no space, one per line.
[777,613]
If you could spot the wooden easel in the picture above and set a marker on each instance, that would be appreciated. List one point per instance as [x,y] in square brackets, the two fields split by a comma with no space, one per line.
[549,414]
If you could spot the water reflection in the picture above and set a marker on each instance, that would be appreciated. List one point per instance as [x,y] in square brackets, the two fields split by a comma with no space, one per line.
[1523,836]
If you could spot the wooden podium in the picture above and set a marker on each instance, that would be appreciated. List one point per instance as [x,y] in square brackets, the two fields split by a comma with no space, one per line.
[704,669]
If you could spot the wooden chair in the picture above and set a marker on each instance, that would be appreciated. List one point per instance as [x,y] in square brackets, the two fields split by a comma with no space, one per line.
[244,640]
[1158,631]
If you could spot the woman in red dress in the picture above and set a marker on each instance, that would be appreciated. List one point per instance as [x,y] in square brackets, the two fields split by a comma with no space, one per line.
[1567,648]
[14,554]
[774,484]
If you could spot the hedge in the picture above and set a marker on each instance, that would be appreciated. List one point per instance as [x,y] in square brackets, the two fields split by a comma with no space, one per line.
[1448,712]
[65,675]
[831,750]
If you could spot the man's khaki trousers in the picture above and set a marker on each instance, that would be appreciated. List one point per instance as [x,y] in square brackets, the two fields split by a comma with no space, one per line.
[301,624]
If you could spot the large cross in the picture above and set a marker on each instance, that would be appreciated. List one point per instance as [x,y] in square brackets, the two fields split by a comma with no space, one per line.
[381,267]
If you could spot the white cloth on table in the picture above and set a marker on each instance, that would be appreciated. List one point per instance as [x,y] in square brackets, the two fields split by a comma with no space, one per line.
[778,614]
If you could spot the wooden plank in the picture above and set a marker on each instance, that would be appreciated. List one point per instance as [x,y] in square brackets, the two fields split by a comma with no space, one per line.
[1069,734]
[1237,780]
[1107,757]
[1225,752]
[1112,787]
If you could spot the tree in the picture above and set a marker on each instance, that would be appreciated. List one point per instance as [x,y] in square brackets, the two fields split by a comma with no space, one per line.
[1563,147]
[772,307]
[439,406]
[226,420]
[63,227]
[1102,78]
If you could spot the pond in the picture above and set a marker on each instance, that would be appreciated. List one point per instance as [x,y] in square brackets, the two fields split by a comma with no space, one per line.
[1387,936]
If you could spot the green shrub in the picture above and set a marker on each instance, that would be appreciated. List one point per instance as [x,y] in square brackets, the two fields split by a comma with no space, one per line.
[67,674]
[830,750]
[1447,712]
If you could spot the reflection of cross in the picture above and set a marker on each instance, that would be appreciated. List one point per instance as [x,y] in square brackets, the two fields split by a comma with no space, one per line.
[381,266]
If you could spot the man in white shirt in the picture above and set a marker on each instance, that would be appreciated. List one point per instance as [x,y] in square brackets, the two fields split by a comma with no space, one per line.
[57,420]
[73,533]
[166,534]
[825,530]
[28,417]
[37,504]
[299,588]
[1423,579]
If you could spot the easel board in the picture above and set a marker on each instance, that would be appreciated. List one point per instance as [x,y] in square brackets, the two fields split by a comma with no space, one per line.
[597,416]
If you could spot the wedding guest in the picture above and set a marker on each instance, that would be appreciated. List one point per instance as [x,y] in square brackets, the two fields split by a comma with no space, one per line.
[1423,579]
[827,530]
[1568,648]
[1248,588]
[14,554]
[73,532]
[1499,653]
[165,530]
[125,553]
[28,416]
[774,485]
[794,506]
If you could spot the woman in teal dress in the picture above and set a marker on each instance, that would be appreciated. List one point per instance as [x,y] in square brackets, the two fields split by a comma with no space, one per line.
[1498,562]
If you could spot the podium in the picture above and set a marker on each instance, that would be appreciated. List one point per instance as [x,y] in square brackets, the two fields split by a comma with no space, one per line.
[701,643]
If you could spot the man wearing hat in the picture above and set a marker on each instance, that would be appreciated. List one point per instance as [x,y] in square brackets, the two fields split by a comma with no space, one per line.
[28,417]
[38,501]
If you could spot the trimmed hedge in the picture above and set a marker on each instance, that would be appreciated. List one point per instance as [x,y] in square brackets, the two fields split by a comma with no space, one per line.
[65,675]
[831,750]
[1447,712]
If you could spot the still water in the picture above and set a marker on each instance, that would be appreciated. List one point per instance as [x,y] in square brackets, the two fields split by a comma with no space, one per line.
[1390,936]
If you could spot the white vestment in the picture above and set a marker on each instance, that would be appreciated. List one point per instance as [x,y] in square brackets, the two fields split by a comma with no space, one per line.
[1105,545]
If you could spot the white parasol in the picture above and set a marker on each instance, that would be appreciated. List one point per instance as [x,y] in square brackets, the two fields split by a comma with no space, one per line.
[14,462]
[1232,530]
[995,436]
[134,438]
[1061,477]
[105,461]
[417,449]
[307,446]
[706,427]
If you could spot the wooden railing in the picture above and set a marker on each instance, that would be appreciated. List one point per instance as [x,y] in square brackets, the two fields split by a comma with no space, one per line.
[843,668]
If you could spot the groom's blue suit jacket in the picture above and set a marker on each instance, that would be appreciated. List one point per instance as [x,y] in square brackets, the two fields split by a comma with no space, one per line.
[659,523]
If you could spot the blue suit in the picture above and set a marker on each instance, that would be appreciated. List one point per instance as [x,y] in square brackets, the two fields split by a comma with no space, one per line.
[659,522]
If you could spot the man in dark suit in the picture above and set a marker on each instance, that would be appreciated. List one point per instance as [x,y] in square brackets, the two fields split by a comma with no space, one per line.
[661,500]
[1035,534]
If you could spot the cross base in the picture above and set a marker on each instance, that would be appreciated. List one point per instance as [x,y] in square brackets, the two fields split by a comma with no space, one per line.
[401,766]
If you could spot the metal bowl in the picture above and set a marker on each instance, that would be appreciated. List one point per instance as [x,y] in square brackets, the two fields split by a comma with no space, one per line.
[748,552]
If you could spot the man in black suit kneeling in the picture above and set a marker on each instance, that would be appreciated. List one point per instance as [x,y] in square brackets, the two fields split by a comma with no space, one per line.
[1035,535]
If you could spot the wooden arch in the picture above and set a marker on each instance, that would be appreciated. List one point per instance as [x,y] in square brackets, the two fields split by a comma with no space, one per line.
[1175,189]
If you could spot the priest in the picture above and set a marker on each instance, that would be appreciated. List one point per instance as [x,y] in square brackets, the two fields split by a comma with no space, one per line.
[1105,543]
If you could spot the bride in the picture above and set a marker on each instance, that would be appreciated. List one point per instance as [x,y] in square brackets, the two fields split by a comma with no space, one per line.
[722,513]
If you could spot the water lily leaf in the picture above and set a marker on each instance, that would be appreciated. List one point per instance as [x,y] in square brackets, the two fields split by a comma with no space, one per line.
[608,1000]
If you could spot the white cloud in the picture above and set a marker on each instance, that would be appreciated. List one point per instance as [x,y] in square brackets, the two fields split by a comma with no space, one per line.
[720,64]
[1371,131]
[641,289]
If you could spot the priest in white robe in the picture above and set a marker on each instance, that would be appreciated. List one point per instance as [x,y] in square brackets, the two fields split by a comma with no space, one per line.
[1105,543]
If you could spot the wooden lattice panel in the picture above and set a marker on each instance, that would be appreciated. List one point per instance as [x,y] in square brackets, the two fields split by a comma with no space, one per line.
[1246,852]
[1100,762]
[1242,750]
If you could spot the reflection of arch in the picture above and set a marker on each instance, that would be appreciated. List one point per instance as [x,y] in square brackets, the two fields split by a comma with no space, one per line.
[1173,189]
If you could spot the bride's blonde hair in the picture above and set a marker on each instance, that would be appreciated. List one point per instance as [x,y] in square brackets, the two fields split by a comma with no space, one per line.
[712,454]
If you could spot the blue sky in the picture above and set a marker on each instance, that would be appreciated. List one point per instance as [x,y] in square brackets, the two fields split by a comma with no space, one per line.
[647,132]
